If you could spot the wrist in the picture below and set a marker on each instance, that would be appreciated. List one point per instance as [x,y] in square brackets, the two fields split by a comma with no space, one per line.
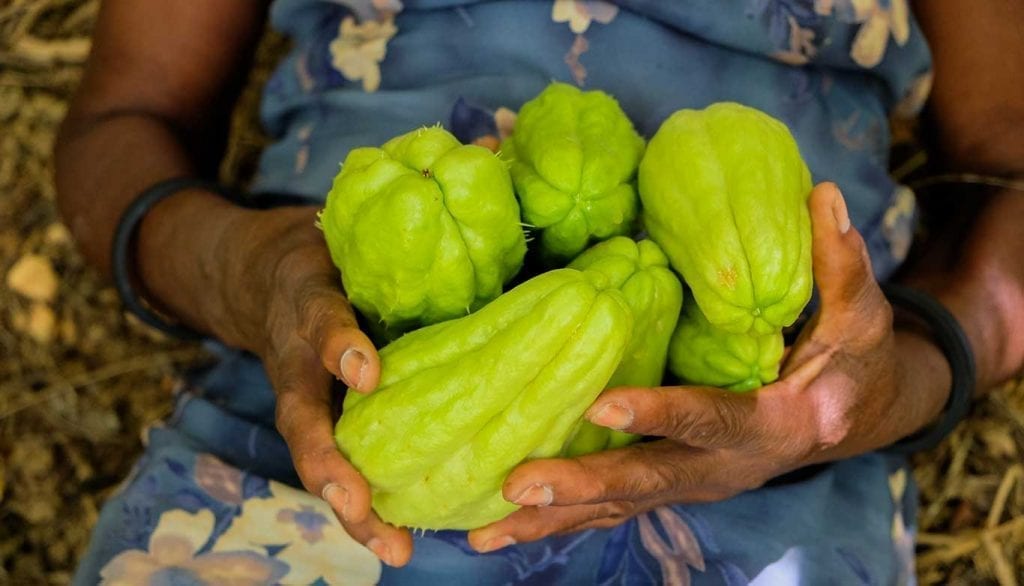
[257,250]
[945,334]
[179,257]
[923,382]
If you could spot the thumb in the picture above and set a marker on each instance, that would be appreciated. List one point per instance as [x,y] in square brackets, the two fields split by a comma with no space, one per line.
[842,267]
[328,324]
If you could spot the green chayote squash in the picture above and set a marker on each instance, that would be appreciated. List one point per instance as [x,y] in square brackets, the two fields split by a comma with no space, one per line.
[573,159]
[654,294]
[462,402]
[423,229]
[724,191]
[703,354]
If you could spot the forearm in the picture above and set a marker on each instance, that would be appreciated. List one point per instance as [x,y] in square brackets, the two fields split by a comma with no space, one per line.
[153,105]
[102,163]
[984,288]
[185,244]
[976,113]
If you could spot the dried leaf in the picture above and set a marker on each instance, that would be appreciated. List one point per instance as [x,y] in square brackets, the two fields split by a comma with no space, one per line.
[40,323]
[999,442]
[57,234]
[33,277]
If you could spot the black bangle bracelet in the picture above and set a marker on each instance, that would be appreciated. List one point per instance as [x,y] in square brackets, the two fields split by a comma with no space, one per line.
[123,259]
[950,338]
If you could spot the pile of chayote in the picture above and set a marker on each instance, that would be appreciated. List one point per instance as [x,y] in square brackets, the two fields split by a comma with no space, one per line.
[427,232]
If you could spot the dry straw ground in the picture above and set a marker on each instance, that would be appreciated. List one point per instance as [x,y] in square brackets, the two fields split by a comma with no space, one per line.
[79,381]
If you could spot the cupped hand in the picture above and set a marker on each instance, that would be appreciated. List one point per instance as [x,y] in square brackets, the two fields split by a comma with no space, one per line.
[843,391]
[305,332]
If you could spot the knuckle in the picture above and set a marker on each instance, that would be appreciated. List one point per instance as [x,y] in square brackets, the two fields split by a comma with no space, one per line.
[720,424]
[315,455]
[284,411]
[313,465]
[595,485]
[730,420]
[676,478]
[686,424]
[614,512]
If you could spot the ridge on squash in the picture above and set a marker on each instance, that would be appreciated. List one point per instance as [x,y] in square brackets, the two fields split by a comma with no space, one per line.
[573,158]
[725,191]
[463,402]
[423,229]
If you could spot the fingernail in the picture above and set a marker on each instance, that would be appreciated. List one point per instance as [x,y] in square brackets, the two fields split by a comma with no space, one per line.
[840,213]
[380,549]
[337,497]
[614,416]
[353,367]
[496,543]
[537,495]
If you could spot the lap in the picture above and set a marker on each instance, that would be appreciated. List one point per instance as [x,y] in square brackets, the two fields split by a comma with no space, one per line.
[214,499]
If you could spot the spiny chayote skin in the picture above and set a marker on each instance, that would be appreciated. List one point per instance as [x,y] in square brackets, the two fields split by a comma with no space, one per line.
[654,294]
[423,229]
[724,191]
[702,354]
[462,402]
[574,157]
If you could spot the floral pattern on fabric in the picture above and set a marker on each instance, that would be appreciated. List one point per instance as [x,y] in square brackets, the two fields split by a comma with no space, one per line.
[790,27]
[477,125]
[173,557]
[348,44]
[913,101]
[305,535]
[878,19]
[219,480]
[579,14]
[678,553]
[898,222]
[227,526]
[794,26]
[533,565]
[359,49]
[661,547]
[902,531]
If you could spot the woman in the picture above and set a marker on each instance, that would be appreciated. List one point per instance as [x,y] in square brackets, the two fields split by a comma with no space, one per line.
[730,494]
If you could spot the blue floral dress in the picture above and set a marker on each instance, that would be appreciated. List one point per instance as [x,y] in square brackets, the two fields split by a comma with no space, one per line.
[214,498]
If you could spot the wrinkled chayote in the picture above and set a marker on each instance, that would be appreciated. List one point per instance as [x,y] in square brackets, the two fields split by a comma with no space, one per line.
[724,191]
[654,294]
[423,229]
[462,402]
[573,159]
[702,354]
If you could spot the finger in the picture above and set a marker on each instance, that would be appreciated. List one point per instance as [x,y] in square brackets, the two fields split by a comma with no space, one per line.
[533,523]
[842,267]
[702,417]
[304,420]
[392,545]
[641,473]
[328,324]
[303,417]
